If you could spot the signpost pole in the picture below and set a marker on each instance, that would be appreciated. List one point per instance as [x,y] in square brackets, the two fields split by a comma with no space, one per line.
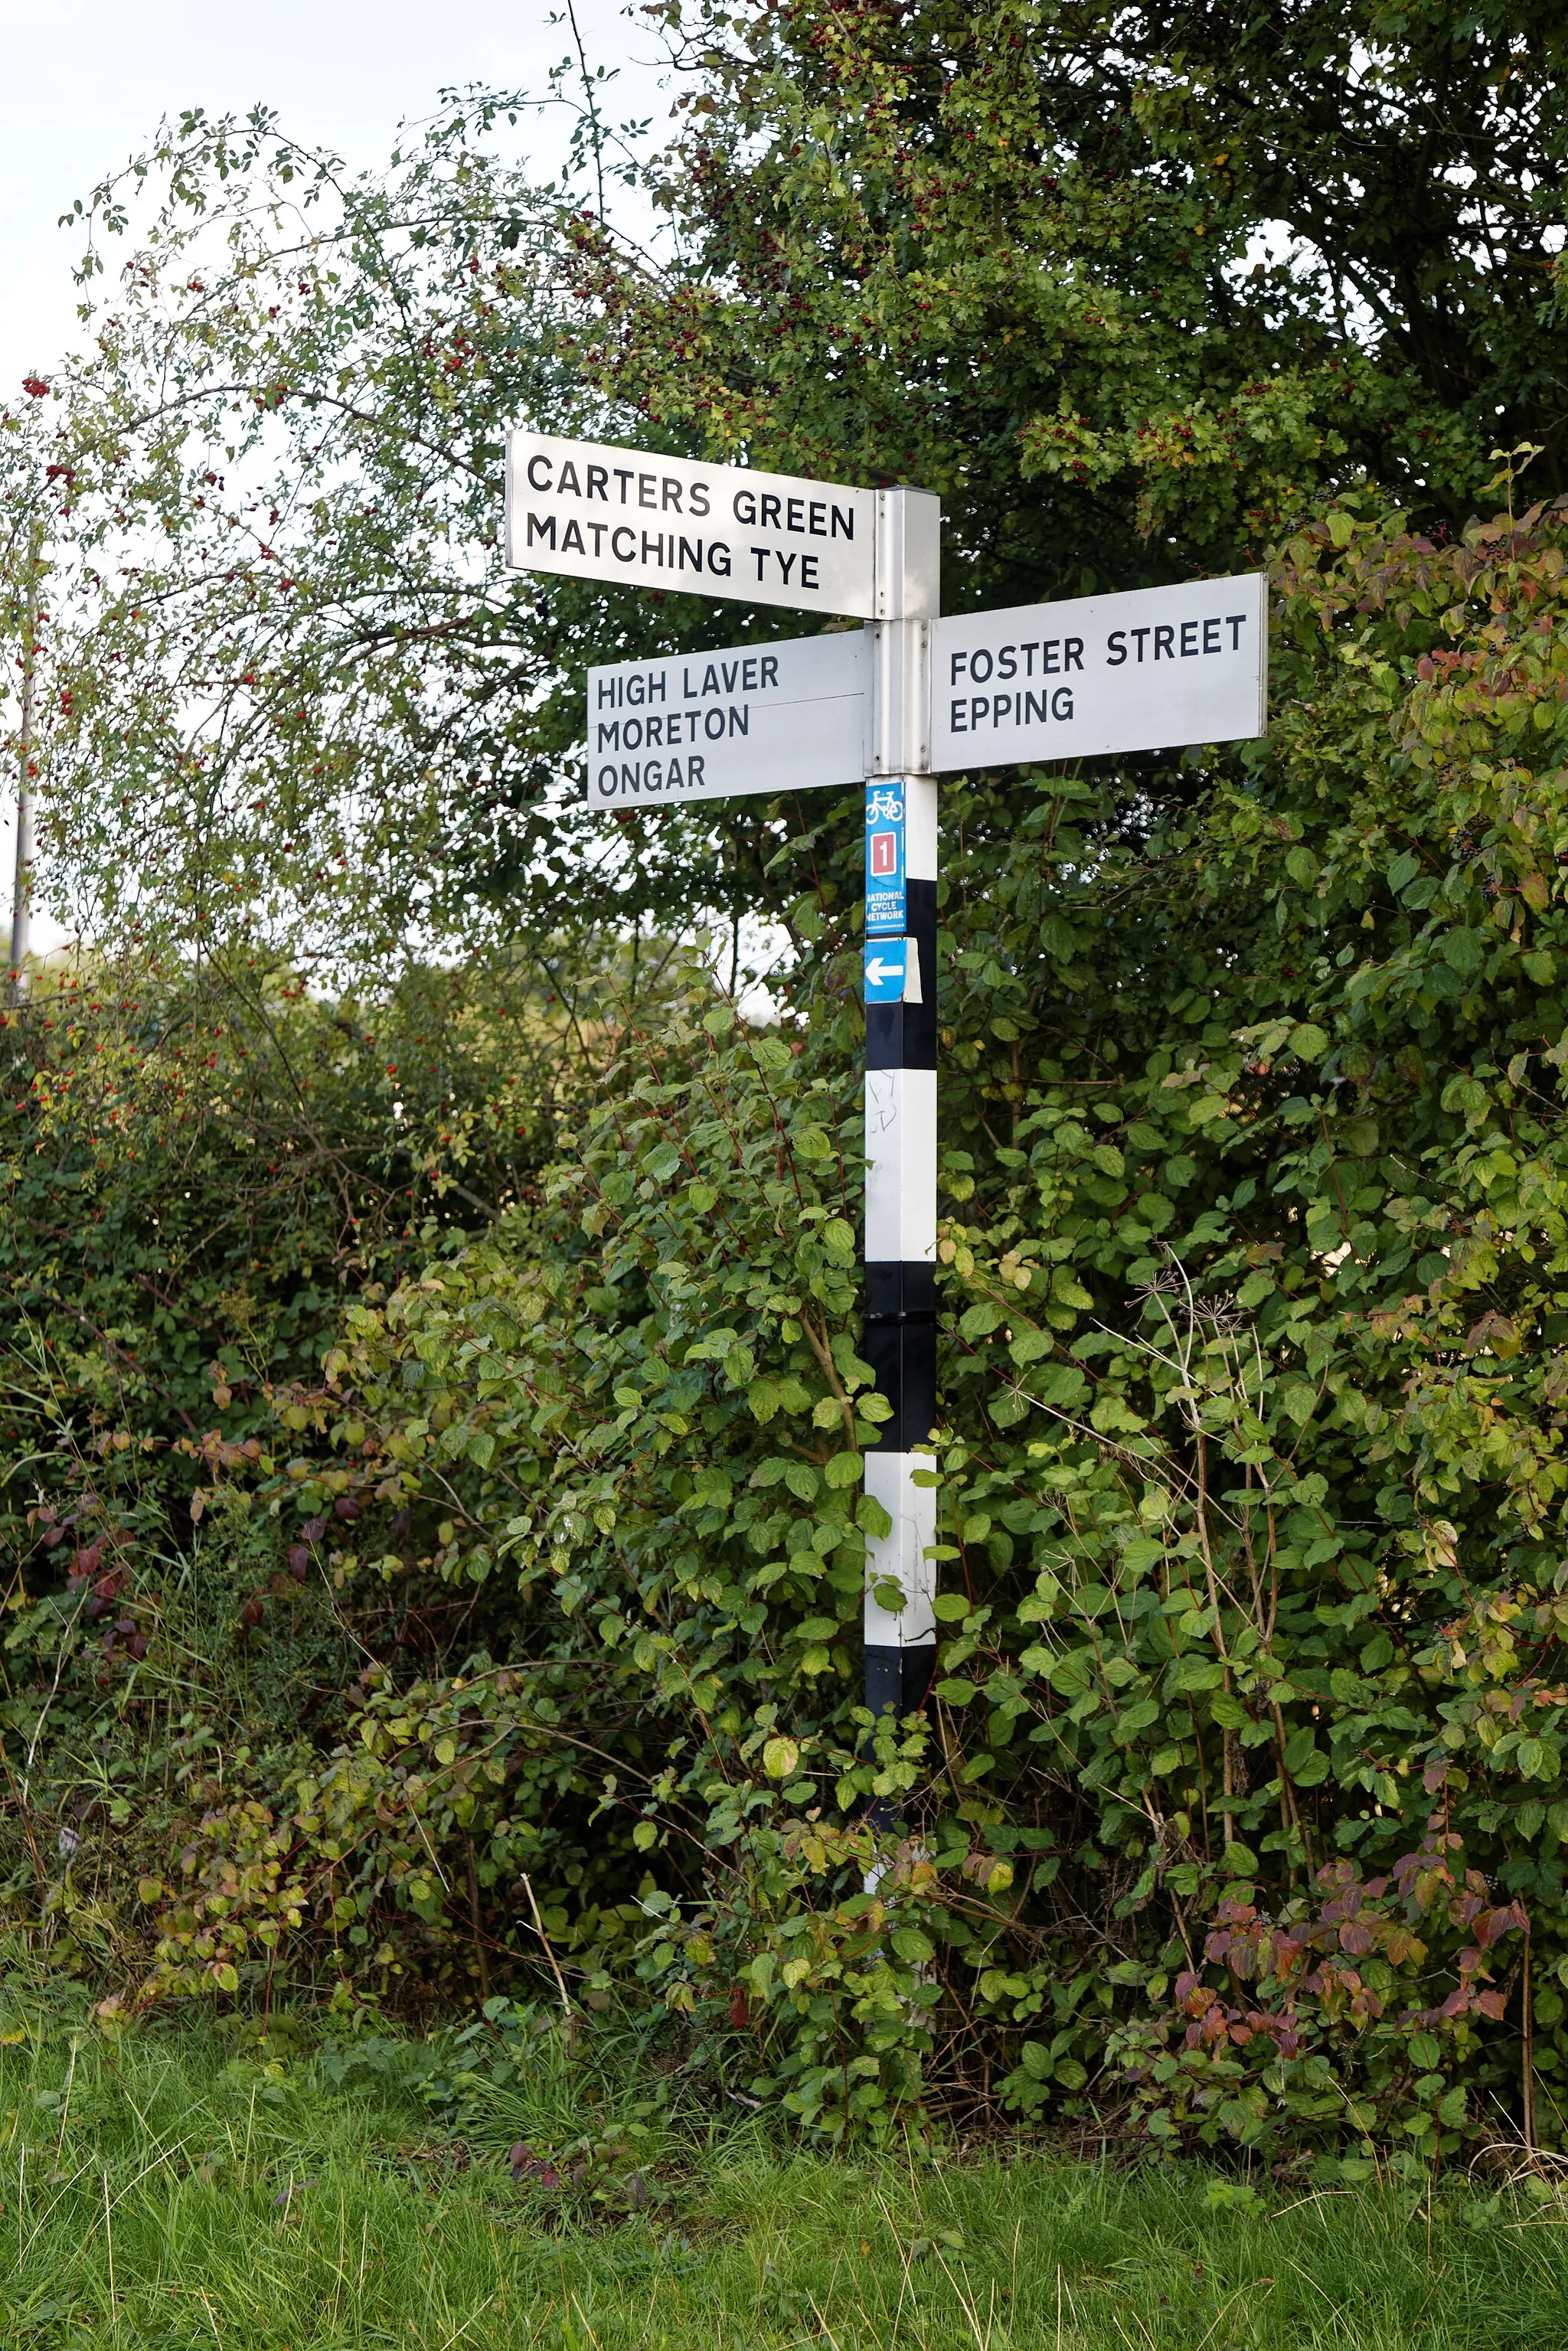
[901,1099]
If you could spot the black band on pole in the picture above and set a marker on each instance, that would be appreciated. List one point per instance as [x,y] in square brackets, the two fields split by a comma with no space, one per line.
[900,1348]
[903,1036]
[899,1678]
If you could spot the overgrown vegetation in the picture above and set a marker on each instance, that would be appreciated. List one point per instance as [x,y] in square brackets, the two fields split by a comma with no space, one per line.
[488,1613]
[256,2192]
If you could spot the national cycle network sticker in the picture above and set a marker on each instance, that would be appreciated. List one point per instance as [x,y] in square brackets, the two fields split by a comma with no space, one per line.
[886,898]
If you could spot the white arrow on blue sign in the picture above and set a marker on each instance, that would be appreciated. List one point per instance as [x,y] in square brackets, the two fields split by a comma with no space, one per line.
[891,971]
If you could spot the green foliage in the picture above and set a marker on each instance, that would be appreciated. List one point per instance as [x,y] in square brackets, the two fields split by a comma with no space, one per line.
[1130,290]
[197,1169]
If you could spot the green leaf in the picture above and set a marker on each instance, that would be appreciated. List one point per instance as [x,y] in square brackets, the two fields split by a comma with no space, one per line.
[871,1517]
[980,1319]
[1067,1290]
[844,1470]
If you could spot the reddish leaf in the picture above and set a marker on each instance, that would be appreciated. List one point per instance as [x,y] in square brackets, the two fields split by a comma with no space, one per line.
[527,2164]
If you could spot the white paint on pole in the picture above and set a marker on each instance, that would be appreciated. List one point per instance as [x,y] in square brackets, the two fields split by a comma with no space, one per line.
[595,512]
[1148,671]
[900,1165]
[897,1562]
[781,717]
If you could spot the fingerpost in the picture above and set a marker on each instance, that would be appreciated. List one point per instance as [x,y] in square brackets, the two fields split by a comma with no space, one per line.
[911,698]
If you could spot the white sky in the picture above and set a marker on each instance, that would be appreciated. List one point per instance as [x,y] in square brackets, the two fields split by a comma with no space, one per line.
[84,83]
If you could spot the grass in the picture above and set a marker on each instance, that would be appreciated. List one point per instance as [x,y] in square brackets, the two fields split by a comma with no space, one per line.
[166,2193]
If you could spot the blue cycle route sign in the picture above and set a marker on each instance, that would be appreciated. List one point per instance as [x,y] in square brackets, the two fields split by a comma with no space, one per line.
[886,900]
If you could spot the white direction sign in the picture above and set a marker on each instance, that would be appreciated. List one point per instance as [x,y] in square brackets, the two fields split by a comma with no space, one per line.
[1147,671]
[600,513]
[757,718]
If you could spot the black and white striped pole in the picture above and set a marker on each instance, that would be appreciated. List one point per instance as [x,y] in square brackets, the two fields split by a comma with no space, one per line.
[901,1099]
